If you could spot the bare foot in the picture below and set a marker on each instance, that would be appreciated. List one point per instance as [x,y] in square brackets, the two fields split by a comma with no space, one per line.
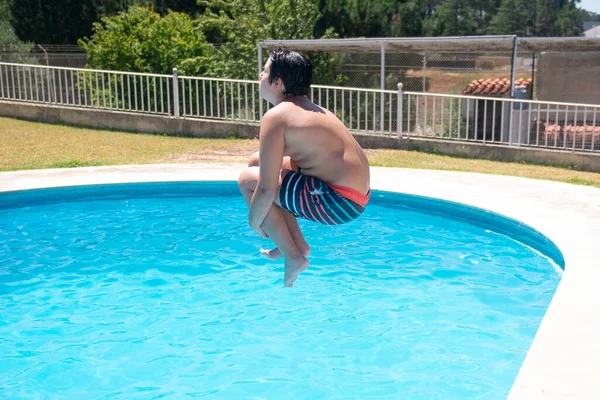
[275,254]
[293,267]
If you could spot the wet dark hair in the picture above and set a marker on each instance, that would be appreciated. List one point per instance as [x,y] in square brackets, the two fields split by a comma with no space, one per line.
[293,68]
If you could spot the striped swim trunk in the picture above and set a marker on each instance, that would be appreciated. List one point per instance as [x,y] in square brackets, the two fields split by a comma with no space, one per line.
[312,199]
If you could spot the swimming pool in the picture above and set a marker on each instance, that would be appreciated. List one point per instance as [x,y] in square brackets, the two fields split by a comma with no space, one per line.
[149,289]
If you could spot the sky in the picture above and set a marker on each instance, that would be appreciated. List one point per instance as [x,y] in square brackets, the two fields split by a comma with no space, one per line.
[591,5]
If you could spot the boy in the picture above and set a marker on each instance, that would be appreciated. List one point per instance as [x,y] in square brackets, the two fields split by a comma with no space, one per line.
[308,164]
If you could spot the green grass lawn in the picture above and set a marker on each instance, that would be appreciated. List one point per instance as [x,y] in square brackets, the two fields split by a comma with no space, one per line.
[29,145]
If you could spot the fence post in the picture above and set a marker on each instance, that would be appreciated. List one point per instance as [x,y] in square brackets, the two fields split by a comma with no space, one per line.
[513,67]
[399,111]
[175,94]
[382,97]
[513,72]
[260,68]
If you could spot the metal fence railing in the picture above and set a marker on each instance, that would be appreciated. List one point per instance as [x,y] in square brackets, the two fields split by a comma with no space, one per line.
[231,99]
[99,89]
[467,118]
[505,121]
[174,95]
[369,111]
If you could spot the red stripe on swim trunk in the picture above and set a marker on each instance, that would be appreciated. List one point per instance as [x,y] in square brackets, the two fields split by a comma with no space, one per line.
[352,194]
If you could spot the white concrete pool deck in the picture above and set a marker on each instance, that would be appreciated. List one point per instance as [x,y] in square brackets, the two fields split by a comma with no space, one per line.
[564,359]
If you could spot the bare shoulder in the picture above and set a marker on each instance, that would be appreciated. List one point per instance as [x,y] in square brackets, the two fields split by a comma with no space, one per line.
[279,112]
[298,113]
[274,120]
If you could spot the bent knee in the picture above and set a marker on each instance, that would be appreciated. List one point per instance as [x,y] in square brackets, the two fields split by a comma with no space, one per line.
[248,178]
[254,160]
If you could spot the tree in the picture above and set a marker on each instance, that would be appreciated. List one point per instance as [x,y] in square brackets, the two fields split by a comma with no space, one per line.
[589,16]
[57,21]
[484,12]
[107,8]
[66,21]
[190,7]
[457,18]
[545,18]
[515,17]
[409,18]
[140,40]
[334,15]
[241,24]
[568,20]
[537,18]
[11,48]
[361,18]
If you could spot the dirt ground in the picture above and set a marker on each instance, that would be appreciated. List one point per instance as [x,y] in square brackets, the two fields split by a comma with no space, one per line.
[238,152]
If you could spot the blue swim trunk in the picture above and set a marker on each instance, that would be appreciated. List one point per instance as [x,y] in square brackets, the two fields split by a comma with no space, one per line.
[310,198]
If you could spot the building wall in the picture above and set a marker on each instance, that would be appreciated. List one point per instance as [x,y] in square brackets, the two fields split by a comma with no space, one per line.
[569,77]
[592,32]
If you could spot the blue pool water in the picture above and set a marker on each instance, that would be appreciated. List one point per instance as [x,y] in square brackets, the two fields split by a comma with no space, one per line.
[130,296]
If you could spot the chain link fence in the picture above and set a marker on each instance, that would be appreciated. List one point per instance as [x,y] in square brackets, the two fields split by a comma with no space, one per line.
[462,88]
[70,56]
[448,65]
[432,65]
[435,72]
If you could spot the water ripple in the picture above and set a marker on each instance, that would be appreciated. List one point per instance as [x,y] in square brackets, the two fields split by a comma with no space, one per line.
[168,298]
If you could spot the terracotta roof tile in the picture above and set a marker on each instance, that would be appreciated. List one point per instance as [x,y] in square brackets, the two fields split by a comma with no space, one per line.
[552,131]
[493,87]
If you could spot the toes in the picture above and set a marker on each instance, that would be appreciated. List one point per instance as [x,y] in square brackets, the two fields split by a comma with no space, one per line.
[290,277]
[289,281]
[274,254]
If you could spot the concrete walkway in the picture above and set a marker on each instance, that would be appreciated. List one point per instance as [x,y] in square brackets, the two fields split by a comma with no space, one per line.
[564,359]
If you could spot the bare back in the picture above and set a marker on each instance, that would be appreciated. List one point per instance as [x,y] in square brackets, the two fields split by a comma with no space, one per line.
[322,146]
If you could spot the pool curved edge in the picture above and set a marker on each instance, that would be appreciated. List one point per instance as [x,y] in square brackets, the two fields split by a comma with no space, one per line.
[564,357]
[447,209]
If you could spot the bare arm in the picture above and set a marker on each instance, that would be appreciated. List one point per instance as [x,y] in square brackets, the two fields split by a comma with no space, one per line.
[271,147]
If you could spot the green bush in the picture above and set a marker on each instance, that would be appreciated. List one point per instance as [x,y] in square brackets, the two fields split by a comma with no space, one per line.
[241,24]
[140,40]
[11,48]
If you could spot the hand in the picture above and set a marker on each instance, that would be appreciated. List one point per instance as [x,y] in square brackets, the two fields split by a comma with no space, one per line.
[259,231]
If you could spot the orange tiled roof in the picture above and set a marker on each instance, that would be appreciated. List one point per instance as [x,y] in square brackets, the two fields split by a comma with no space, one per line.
[492,87]
[579,131]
